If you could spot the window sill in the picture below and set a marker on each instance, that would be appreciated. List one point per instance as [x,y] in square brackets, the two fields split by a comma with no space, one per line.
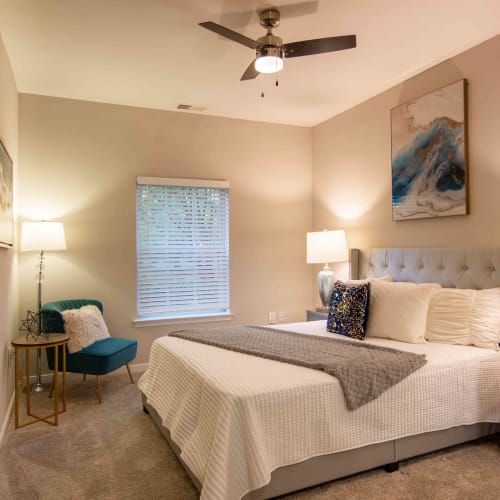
[210,318]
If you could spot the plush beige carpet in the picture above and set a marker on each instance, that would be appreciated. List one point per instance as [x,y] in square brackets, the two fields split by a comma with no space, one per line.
[114,451]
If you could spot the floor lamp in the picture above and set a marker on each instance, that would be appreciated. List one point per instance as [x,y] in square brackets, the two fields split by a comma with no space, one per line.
[41,236]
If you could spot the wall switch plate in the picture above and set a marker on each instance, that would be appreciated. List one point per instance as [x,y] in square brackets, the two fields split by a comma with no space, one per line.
[281,316]
[271,318]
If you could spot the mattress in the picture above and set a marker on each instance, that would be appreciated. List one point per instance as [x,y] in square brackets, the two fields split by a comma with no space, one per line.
[236,417]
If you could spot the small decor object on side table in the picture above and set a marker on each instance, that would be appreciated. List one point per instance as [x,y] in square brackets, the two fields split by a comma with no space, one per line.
[33,326]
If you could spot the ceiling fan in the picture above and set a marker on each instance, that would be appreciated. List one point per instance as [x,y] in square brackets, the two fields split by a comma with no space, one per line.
[270,49]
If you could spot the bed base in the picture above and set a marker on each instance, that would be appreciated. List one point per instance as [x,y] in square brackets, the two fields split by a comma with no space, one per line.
[325,468]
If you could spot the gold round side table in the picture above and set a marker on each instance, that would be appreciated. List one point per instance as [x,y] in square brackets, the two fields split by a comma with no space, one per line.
[42,342]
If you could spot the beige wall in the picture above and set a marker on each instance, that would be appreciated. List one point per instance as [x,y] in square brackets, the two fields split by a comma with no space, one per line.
[352,162]
[78,164]
[8,261]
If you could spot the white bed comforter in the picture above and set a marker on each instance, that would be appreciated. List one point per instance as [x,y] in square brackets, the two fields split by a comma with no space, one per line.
[237,417]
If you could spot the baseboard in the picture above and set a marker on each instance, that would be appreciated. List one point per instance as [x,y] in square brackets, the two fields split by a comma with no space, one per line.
[5,423]
[47,377]
[138,367]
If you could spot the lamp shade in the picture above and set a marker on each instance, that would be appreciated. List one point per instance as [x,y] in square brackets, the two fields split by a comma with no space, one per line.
[326,246]
[36,236]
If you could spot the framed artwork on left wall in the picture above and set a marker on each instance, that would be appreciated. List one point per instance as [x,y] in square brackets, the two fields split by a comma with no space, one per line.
[6,199]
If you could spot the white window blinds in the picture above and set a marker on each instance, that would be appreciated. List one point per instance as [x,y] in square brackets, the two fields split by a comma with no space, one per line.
[182,247]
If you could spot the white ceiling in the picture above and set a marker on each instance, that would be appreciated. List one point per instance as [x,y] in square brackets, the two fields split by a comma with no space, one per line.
[152,53]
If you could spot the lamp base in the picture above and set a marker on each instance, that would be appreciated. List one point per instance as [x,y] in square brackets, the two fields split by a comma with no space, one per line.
[326,279]
[39,387]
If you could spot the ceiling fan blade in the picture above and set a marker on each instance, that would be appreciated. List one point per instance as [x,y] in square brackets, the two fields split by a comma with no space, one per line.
[319,46]
[250,73]
[232,35]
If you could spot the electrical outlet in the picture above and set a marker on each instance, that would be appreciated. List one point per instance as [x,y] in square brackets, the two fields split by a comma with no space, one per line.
[271,318]
[281,316]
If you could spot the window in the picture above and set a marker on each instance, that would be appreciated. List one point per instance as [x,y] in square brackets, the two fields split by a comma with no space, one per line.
[182,250]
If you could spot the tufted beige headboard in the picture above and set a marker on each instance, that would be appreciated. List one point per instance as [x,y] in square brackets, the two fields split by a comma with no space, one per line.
[459,267]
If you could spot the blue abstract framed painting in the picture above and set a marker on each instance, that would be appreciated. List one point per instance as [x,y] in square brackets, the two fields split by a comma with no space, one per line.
[429,155]
[6,199]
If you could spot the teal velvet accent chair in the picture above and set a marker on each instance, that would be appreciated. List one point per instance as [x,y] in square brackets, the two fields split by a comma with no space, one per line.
[100,358]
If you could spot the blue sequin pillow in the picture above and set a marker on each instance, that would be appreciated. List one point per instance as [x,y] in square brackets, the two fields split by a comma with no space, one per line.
[349,310]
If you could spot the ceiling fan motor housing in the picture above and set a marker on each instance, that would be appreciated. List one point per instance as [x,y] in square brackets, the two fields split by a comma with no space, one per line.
[269,18]
[269,45]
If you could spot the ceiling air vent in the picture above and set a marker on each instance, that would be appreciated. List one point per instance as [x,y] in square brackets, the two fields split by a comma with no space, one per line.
[190,107]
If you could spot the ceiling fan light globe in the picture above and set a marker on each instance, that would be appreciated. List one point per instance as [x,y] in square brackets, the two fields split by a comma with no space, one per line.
[269,64]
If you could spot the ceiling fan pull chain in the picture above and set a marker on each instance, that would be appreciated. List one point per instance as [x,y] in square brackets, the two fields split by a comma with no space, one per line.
[262,94]
[277,83]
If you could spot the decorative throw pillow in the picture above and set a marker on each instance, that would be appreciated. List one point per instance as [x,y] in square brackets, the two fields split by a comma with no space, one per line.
[465,317]
[398,310]
[85,326]
[348,310]
[364,281]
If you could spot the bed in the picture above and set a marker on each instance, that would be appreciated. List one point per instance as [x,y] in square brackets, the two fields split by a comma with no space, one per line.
[249,427]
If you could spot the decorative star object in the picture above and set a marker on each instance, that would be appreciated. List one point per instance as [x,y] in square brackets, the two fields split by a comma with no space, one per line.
[31,325]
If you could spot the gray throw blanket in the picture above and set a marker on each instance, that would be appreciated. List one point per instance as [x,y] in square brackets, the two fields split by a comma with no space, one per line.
[364,371]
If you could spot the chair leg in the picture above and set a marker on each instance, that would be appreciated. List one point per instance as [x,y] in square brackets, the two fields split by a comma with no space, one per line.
[98,388]
[129,374]
[84,376]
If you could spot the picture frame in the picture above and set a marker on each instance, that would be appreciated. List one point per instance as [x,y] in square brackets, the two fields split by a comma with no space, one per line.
[429,162]
[6,198]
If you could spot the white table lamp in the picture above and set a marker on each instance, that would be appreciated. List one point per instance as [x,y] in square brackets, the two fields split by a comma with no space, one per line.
[324,247]
[41,236]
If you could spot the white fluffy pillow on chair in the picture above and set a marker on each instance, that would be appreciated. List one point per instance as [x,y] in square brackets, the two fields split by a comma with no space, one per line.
[398,310]
[85,326]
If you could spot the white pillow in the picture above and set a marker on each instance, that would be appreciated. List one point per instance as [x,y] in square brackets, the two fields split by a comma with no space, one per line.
[398,310]
[85,326]
[465,317]
[387,277]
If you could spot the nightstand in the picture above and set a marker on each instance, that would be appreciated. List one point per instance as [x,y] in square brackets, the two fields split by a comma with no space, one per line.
[316,315]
